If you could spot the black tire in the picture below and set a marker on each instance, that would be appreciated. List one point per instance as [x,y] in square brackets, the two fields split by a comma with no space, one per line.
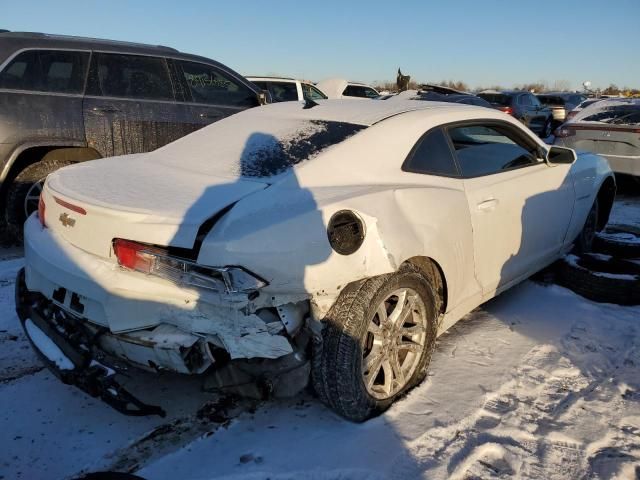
[601,278]
[337,359]
[619,241]
[547,128]
[14,214]
[584,242]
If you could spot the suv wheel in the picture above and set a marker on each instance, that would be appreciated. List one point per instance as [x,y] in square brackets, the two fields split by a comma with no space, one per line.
[24,191]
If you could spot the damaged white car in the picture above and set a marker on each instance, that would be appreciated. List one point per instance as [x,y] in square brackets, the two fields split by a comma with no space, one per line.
[332,241]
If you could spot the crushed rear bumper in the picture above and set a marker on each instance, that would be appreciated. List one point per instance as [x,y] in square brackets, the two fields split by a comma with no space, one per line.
[68,348]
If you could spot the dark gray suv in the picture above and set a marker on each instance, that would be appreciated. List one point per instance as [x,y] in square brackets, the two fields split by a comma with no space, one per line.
[525,107]
[70,99]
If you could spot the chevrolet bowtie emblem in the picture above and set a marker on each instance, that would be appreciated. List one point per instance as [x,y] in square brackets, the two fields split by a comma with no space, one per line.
[66,220]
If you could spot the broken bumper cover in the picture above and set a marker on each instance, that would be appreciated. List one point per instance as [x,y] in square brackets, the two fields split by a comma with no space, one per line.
[66,348]
[153,321]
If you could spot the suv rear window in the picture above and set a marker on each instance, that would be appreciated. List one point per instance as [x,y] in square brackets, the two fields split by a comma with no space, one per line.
[551,100]
[130,76]
[46,71]
[496,98]
[213,87]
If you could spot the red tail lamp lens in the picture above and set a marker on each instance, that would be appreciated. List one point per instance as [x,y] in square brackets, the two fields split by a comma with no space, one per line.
[134,256]
[507,110]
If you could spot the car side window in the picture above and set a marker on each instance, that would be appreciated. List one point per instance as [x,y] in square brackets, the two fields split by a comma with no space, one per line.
[359,91]
[432,155]
[524,100]
[211,86]
[489,149]
[534,101]
[129,76]
[46,71]
[283,91]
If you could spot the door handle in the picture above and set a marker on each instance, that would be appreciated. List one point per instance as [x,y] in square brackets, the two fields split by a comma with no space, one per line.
[487,204]
[105,109]
[209,115]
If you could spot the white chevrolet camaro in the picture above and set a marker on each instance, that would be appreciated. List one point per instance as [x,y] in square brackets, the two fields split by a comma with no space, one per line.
[334,240]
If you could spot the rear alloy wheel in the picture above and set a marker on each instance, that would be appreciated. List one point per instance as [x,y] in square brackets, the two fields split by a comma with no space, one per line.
[376,343]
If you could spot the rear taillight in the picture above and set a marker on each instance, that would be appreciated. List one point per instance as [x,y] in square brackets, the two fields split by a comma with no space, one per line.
[507,110]
[135,256]
[564,132]
[41,211]
[156,261]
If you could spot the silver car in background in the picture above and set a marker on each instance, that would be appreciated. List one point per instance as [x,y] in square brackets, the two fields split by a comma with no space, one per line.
[561,103]
[610,128]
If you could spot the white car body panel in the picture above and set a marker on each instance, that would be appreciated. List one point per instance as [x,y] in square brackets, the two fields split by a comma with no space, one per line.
[472,228]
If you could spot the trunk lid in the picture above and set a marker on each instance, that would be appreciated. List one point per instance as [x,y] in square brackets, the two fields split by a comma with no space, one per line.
[136,198]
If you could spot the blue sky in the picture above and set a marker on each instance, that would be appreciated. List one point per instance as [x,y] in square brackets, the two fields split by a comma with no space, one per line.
[480,42]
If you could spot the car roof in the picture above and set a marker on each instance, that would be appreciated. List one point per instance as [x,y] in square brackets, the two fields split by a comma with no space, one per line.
[10,42]
[351,110]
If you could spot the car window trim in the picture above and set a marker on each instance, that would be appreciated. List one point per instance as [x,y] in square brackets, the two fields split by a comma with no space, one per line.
[9,59]
[521,137]
[405,164]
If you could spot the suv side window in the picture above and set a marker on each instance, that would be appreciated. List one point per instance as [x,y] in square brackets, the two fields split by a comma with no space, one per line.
[130,76]
[283,91]
[359,91]
[489,149]
[534,101]
[211,86]
[432,155]
[309,91]
[524,100]
[46,71]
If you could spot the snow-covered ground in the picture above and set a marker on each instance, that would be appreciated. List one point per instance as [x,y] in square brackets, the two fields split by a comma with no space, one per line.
[536,384]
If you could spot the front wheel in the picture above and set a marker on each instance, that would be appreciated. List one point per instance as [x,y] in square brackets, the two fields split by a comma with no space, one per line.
[584,242]
[547,128]
[377,343]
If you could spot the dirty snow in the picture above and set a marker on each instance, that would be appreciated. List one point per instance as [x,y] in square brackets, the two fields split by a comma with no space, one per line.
[536,384]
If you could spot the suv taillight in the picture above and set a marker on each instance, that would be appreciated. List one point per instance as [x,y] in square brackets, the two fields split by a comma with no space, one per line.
[507,110]
[41,211]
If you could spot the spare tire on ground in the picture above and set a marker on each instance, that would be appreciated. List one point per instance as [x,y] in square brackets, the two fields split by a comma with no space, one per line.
[619,241]
[601,278]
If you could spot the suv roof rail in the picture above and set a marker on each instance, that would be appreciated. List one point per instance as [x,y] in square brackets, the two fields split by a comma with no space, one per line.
[88,39]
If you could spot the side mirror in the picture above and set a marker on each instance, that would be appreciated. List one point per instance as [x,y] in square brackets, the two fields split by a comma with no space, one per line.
[561,155]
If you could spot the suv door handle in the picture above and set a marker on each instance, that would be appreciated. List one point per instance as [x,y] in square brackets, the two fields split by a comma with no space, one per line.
[105,109]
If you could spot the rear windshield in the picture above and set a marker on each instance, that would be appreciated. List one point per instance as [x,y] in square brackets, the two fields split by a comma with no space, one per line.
[545,100]
[618,115]
[254,146]
[266,155]
[497,98]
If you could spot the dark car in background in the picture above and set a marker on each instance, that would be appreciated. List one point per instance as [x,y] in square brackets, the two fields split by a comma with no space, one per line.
[561,103]
[525,107]
[70,99]
[438,93]
[610,128]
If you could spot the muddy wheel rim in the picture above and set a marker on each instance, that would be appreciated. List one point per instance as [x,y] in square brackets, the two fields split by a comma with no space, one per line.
[33,197]
[394,343]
